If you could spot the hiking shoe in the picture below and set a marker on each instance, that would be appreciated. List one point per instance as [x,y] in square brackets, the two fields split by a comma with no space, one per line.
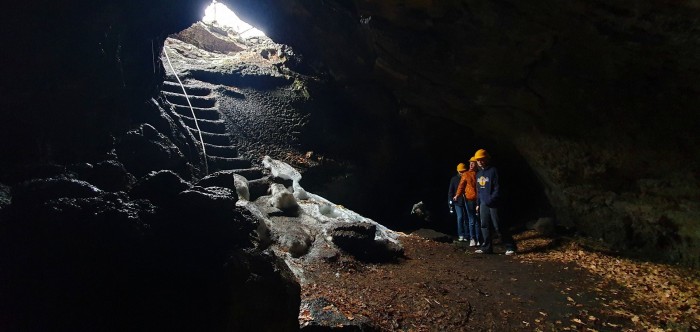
[472,243]
[461,239]
[510,252]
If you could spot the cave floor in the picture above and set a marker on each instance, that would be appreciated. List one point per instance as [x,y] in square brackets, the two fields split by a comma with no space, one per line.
[550,285]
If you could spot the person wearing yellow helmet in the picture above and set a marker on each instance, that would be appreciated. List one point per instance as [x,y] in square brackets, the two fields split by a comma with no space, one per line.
[467,190]
[457,204]
[488,201]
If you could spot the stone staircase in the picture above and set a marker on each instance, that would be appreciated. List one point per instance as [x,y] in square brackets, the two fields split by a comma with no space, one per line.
[221,154]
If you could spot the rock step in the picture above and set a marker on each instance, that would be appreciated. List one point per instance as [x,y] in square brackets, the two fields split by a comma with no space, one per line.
[228,163]
[200,113]
[192,90]
[250,174]
[259,187]
[226,151]
[212,138]
[212,126]
[196,101]
[258,183]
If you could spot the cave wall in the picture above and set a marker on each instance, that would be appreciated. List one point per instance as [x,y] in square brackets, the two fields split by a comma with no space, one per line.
[596,100]
[78,74]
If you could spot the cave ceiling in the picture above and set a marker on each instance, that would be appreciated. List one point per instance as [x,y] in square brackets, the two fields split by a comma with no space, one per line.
[599,100]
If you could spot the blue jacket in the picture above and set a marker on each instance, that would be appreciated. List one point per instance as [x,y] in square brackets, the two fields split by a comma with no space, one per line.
[454,183]
[487,189]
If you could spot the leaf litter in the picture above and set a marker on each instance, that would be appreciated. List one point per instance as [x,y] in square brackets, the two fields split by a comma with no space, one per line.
[446,287]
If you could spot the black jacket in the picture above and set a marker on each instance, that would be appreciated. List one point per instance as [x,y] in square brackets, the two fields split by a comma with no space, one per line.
[454,183]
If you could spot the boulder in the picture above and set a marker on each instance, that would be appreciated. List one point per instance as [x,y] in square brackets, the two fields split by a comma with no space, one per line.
[160,187]
[71,255]
[259,187]
[358,239]
[110,175]
[145,149]
[283,199]
[209,220]
[292,237]
[227,179]
[265,294]
[545,226]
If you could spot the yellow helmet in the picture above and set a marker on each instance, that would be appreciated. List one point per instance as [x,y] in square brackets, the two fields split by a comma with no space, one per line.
[481,154]
[461,167]
[472,159]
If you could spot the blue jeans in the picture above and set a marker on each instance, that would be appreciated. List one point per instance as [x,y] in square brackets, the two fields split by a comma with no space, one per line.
[489,219]
[461,214]
[474,226]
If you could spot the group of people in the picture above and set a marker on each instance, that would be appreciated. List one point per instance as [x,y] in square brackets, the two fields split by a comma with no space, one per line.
[474,196]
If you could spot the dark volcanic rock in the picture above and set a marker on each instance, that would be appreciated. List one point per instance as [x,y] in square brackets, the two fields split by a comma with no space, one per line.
[159,187]
[292,237]
[110,175]
[227,179]
[357,238]
[68,255]
[266,292]
[36,191]
[207,199]
[145,149]
[5,196]
[208,219]
[259,187]
[353,237]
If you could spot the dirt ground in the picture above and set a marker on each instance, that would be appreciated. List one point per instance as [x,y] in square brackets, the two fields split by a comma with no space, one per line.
[552,284]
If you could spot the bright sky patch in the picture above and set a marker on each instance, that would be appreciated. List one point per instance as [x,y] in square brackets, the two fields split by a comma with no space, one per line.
[226,17]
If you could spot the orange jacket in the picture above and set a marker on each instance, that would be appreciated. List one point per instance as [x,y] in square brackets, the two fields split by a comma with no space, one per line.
[467,185]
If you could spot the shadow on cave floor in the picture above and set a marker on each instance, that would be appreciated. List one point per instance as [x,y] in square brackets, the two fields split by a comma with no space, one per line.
[552,284]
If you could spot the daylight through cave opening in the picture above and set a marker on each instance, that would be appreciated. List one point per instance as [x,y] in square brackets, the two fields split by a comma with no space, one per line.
[230,91]
[218,14]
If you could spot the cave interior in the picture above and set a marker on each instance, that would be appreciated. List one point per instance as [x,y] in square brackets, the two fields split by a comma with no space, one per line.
[588,108]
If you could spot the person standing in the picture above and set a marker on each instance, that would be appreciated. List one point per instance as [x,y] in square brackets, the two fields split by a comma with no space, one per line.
[457,202]
[488,201]
[467,190]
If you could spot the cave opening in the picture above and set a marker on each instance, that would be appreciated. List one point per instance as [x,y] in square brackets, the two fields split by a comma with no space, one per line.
[218,13]
[104,213]
[404,157]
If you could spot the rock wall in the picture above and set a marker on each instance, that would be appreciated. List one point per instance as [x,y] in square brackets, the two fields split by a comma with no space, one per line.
[595,100]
